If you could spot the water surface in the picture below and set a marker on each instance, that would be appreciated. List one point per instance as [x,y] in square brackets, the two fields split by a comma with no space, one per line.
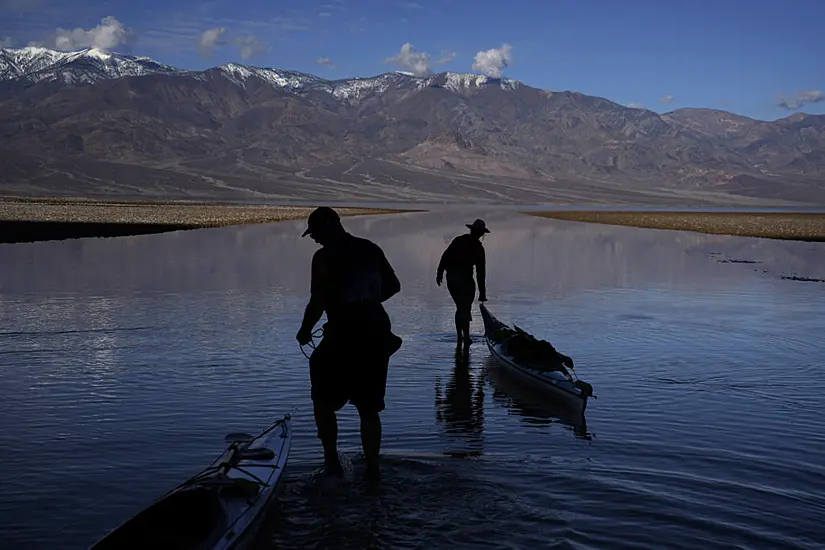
[124,361]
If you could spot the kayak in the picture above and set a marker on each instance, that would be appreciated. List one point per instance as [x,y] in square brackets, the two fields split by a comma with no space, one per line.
[535,362]
[222,507]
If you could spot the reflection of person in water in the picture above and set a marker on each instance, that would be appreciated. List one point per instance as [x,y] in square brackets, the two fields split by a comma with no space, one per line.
[464,252]
[461,407]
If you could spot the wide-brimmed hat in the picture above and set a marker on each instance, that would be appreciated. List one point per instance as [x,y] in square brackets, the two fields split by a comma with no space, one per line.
[321,216]
[478,225]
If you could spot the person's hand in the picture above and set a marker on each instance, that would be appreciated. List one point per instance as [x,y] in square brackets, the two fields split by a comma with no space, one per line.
[304,336]
[438,278]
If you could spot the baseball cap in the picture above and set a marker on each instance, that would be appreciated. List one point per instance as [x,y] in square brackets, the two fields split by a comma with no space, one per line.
[320,217]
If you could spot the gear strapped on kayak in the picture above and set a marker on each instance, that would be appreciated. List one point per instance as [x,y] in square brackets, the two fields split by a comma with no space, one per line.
[527,348]
[537,360]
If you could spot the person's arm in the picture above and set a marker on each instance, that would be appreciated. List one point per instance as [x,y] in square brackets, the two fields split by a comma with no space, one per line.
[312,314]
[442,264]
[481,274]
[315,308]
[390,285]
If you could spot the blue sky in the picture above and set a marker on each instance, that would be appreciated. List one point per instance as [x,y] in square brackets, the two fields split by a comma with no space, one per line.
[744,56]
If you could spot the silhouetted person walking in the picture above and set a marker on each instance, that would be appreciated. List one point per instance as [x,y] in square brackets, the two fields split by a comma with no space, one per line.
[351,278]
[464,252]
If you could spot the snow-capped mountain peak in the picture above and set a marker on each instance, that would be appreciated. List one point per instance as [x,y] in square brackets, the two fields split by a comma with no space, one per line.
[18,63]
[291,80]
[98,54]
[34,64]
[458,82]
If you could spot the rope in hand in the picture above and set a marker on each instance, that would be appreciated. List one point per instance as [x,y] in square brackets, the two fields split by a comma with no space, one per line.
[317,333]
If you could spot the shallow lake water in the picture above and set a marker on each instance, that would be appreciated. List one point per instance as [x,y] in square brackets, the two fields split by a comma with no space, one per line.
[124,361]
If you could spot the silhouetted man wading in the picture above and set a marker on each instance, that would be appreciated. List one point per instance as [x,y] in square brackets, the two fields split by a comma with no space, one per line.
[351,278]
[464,252]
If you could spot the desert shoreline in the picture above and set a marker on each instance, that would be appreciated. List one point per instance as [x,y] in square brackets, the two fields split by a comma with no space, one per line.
[33,219]
[796,226]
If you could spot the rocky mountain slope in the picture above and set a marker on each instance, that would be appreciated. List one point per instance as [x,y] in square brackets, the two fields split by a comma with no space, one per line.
[93,122]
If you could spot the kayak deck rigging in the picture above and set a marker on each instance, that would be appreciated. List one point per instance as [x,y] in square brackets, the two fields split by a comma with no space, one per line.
[222,506]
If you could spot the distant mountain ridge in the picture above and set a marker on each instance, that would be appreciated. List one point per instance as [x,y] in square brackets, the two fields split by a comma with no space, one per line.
[89,121]
[35,64]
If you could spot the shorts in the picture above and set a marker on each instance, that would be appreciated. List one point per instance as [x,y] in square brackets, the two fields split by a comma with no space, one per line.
[349,366]
[463,291]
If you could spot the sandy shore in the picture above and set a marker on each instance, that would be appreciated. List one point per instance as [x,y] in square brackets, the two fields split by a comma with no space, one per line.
[37,219]
[772,225]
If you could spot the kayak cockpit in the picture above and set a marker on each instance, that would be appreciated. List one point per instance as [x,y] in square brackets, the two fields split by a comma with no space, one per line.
[189,519]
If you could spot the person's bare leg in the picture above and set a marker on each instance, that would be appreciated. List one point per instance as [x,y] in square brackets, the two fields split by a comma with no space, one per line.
[327,424]
[455,295]
[465,323]
[371,441]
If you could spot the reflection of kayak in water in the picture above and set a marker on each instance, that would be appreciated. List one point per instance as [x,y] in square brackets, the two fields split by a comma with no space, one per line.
[535,361]
[531,404]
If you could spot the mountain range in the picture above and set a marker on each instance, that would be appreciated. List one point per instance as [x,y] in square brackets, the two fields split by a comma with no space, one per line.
[97,123]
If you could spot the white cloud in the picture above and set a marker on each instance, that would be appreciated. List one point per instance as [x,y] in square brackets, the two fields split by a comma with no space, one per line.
[325,14]
[110,34]
[667,99]
[635,105]
[209,39]
[250,46]
[325,62]
[800,99]
[409,59]
[6,42]
[239,38]
[492,61]
[411,6]
[446,57]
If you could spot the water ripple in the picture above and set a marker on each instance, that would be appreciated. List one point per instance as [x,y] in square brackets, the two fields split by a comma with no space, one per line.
[707,431]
